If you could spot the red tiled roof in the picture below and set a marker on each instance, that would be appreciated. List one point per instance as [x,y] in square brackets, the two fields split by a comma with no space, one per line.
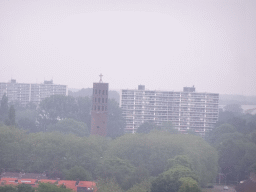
[69,184]
[9,181]
[28,181]
[34,182]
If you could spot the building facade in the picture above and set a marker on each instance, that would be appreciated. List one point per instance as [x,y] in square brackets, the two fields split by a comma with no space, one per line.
[25,92]
[99,112]
[186,110]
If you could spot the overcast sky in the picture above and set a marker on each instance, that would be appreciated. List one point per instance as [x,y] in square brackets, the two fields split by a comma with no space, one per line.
[164,44]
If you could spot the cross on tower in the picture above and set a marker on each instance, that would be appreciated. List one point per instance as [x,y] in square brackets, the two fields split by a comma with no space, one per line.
[101,78]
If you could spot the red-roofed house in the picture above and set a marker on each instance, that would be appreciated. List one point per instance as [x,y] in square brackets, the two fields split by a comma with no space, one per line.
[69,184]
[84,186]
[31,182]
[77,186]
[9,181]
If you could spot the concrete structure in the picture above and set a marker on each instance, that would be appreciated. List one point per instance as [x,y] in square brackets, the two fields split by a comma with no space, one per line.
[99,113]
[25,92]
[187,110]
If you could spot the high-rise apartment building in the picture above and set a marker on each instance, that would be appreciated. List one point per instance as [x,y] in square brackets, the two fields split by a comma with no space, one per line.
[99,112]
[25,92]
[187,110]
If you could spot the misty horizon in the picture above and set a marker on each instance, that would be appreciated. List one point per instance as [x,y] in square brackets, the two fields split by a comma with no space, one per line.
[166,45]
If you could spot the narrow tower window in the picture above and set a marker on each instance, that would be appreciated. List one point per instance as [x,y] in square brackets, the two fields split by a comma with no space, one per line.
[102,100]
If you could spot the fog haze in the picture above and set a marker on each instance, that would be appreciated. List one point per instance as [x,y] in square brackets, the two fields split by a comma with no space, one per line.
[164,45]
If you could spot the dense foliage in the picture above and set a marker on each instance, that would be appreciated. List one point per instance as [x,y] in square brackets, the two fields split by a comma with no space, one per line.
[54,138]
[234,139]
[42,187]
[129,159]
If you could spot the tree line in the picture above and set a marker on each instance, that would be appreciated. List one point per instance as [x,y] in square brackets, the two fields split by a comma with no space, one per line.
[66,114]
[127,161]
[235,140]
[54,138]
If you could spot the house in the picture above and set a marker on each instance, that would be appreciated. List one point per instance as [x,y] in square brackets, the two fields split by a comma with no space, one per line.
[76,186]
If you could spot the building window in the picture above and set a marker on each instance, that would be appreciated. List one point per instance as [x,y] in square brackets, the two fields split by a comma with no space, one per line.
[103,92]
[98,108]
[106,108]
[106,92]
[95,107]
[102,100]
[99,100]
[95,99]
[106,100]
[102,108]
[99,91]
[95,91]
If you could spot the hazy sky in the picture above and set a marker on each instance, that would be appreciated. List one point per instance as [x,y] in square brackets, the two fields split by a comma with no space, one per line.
[164,44]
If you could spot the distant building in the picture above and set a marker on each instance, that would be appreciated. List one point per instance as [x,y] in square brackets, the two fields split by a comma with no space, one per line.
[187,110]
[75,186]
[25,92]
[99,112]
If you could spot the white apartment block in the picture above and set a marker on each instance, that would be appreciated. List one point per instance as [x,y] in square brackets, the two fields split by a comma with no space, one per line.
[187,110]
[25,92]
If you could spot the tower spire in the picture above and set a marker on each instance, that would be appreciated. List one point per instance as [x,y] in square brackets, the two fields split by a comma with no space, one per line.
[101,78]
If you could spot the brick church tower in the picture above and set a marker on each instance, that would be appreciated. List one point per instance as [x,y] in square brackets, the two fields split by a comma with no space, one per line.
[99,113]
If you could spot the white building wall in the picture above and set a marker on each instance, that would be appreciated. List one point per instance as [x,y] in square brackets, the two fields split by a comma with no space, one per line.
[186,110]
[25,93]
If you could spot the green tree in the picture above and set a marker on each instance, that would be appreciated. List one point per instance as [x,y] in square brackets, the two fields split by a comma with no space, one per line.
[47,187]
[182,160]
[78,172]
[116,122]
[234,108]
[143,186]
[8,188]
[119,169]
[4,108]
[189,185]
[177,178]
[11,117]
[146,127]
[54,108]
[168,126]
[216,134]
[68,126]
[25,188]
[84,110]
[108,185]
[152,151]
